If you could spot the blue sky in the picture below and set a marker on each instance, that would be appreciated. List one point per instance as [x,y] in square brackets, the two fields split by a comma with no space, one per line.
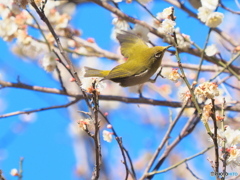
[45,144]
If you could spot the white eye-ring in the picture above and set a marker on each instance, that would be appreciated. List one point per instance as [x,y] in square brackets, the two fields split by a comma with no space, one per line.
[158,55]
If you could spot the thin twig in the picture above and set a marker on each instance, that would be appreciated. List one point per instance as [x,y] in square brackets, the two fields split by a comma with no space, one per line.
[20,174]
[193,174]
[202,55]
[188,128]
[228,9]
[164,140]
[122,149]
[226,66]
[60,79]
[1,175]
[214,138]
[39,110]
[40,29]
[96,138]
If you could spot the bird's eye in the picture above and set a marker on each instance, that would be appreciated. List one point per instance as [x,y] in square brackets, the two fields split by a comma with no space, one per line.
[158,55]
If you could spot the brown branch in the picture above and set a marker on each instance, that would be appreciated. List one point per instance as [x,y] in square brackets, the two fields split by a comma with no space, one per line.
[123,151]
[214,138]
[60,79]
[183,161]
[188,128]
[228,9]
[63,53]
[164,140]
[192,66]
[96,138]
[1,175]
[193,174]
[235,107]
[40,109]
[36,88]
[224,35]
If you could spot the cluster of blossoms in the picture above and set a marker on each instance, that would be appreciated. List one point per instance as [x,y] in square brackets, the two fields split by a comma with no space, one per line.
[166,26]
[174,75]
[14,26]
[84,123]
[230,139]
[207,15]
[206,90]
[183,40]
[93,84]
[164,22]
[120,24]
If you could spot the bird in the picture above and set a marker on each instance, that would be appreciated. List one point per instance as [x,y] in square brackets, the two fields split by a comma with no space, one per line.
[142,62]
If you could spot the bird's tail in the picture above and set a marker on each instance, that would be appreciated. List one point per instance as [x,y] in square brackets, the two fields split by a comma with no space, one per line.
[91,72]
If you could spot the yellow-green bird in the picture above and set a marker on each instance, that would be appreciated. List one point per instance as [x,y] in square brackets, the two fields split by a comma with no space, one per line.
[142,62]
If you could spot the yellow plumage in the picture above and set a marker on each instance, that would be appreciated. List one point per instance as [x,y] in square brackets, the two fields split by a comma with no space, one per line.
[141,64]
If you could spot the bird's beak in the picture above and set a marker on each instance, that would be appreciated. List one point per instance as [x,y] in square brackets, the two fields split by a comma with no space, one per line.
[168,47]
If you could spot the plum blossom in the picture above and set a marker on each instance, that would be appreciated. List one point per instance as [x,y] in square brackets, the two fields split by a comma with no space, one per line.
[107,136]
[206,90]
[49,62]
[211,50]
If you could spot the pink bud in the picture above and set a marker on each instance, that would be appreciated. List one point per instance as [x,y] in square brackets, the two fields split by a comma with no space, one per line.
[72,79]
[109,126]
[91,40]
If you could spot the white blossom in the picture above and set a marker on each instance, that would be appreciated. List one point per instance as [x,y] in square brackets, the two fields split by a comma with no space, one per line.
[234,158]
[8,28]
[120,24]
[229,136]
[165,13]
[174,75]
[144,1]
[107,136]
[206,90]
[87,84]
[181,39]
[14,172]
[210,4]
[32,50]
[214,19]
[4,12]
[211,50]
[167,26]
[49,62]
[203,13]
[141,31]
[84,123]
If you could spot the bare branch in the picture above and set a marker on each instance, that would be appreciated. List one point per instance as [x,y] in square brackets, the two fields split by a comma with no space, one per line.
[39,110]
[234,107]
[164,140]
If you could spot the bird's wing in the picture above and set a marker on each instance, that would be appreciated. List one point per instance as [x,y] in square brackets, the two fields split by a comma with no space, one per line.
[130,43]
[127,69]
